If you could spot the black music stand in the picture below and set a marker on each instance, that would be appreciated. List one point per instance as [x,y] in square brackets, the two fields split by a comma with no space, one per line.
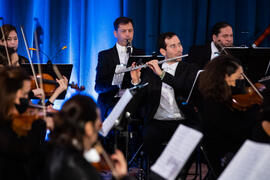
[255,61]
[65,70]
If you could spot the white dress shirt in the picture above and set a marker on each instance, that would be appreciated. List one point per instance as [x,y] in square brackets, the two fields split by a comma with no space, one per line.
[123,58]
[214,51]
[122,53]
[168,109]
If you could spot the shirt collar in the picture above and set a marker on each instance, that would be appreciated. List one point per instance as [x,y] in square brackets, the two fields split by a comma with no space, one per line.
[214,48]
[121,49]
[170,66]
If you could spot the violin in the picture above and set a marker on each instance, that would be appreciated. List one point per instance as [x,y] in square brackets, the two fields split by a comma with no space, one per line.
[22,123]
[49,84]
[103,162]
[242,102]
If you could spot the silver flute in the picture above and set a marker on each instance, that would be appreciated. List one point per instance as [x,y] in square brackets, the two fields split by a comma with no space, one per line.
[145,65]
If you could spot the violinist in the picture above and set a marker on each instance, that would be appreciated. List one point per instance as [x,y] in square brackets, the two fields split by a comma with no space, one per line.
[18,154]
[75,133]
[225,129]
[11,35]
[36,92]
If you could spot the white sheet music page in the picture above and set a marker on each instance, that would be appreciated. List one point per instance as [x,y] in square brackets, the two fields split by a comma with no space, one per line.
[251,162]
[118,78]
[116,112]
[176,153]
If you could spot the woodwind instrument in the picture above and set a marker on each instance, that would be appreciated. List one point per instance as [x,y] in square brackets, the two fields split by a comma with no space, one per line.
[145,65]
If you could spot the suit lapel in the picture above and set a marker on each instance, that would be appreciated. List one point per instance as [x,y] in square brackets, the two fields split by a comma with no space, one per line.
[115,55]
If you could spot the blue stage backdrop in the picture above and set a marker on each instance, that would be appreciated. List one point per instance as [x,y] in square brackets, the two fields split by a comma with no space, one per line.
[86,26]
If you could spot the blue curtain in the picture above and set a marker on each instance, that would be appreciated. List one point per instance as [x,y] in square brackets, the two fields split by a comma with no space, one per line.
[86,26]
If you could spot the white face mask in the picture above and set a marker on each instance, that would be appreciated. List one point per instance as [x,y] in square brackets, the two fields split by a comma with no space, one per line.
[91,155]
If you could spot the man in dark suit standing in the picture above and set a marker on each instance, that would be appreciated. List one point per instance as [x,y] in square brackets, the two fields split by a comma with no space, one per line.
[169,84]
[222,36]
[107,83]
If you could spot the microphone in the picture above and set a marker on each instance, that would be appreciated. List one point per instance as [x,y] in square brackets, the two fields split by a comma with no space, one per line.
[49,61]
[128,47]
[262,37]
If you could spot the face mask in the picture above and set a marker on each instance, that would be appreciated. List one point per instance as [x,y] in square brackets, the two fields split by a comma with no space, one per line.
[240,83]
[22,107]
[239,88]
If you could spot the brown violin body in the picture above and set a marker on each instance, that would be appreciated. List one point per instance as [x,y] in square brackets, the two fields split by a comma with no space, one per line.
[48,88]
[242,102]
[49,84]
[22,123]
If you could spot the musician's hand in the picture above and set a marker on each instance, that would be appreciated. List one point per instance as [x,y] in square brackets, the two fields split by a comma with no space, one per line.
[135,74]
[120,164]
[266,127]
[38,92]
[49,122]
[63,84]
[155,67]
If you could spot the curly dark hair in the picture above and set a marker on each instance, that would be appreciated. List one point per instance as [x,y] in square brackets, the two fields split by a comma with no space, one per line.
[212,82]
[70,121]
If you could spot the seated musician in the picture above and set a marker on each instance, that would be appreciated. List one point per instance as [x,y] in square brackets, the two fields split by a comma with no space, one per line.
[75,133]
[225,128]
[14,58]
[107,62]
[18,154]
[10,34]
[169,84]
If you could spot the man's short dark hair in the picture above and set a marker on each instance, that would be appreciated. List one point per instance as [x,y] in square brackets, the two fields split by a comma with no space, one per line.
[216,28]
[162,37]
[121,20]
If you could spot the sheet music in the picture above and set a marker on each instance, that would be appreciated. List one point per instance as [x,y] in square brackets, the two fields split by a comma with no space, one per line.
[116,112]
[176,153]
[118,78]
[251,162]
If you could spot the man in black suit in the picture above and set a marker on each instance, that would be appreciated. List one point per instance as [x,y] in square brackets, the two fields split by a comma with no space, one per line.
[107,84]
[169,84]
[222,36]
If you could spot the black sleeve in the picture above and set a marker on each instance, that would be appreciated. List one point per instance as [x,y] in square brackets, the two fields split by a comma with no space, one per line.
[184,81]
[104,75]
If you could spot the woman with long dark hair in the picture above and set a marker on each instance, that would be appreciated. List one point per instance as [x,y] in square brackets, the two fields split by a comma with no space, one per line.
[225,128]
[75,133]
[18,154]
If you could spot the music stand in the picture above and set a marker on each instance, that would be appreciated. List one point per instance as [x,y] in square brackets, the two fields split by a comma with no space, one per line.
[65,70]
[255,61]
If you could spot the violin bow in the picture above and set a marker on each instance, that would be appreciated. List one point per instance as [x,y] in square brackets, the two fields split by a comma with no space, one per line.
[6,45]
[41,78]
[252,85]
[30,60]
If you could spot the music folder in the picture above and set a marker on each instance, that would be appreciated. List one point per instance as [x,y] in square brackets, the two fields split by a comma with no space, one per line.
[65,70]
[255,61]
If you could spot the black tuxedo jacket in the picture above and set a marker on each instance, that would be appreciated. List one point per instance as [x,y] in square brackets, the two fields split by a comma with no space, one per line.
[200,55]
[107,61]
[181,83]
